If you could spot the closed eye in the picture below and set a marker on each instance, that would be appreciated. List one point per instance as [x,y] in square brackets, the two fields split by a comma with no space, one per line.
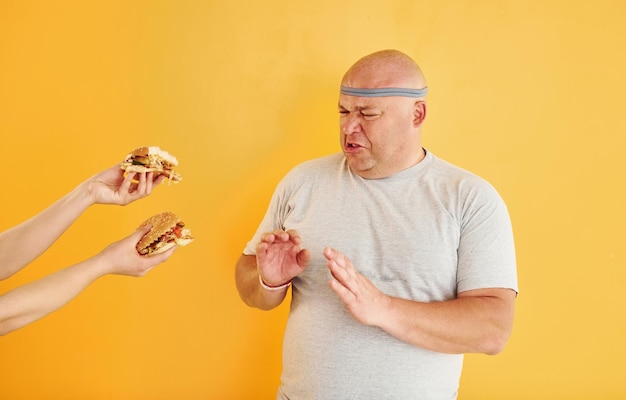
[367,115]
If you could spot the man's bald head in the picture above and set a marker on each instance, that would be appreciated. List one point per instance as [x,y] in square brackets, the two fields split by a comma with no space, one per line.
[385,69]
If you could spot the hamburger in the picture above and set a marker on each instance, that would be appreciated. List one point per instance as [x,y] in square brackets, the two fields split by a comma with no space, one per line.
[152,159]
[167,231]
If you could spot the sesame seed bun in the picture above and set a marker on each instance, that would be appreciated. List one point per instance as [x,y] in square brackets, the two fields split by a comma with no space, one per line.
[162,236]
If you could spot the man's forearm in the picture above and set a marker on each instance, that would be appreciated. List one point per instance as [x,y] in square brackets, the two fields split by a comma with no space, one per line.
[250,289]
[470,324]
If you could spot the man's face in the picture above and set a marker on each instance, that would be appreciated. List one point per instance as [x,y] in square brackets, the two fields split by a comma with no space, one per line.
[378,134]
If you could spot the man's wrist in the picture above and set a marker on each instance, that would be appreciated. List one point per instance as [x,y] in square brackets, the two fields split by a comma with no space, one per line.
[271,288]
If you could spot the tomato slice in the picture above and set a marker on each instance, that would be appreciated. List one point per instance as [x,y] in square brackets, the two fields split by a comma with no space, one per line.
[178,231]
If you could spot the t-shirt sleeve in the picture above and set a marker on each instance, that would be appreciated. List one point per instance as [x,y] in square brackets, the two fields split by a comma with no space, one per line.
[486,255]
[273,219]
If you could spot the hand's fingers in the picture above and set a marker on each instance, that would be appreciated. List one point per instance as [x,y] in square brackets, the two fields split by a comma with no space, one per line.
[140,232]
[157,181]
[276,235]
[330,253]
[282,235]
[159,258]
[333,254]
[149,182]
[303,258]
[141,186]
[145,229]
[261,247]
[342,269]
[268,238]
[338,272]
[128,180]
[294,236]
[343,292]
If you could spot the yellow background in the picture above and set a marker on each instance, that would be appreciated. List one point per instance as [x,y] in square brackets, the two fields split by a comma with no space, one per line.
[528,94]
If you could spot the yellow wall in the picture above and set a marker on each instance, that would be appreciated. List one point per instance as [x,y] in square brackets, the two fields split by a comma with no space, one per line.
[528,94]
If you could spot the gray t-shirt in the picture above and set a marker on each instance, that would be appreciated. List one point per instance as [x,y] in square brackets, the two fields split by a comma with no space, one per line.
[425,234]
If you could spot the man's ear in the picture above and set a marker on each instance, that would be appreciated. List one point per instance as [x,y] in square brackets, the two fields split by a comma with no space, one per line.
[419,113]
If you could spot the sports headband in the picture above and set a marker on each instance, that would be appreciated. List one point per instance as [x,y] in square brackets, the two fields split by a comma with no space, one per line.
[383,92]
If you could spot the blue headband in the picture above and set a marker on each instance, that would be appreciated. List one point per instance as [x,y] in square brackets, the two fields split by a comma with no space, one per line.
[383,92]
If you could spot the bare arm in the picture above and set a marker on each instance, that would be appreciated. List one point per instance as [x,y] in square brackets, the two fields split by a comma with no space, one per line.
[477,321]
[278,260]
[30,302]
[25,242]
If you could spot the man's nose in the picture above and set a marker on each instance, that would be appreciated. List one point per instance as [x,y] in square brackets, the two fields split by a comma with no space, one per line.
[351,123]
